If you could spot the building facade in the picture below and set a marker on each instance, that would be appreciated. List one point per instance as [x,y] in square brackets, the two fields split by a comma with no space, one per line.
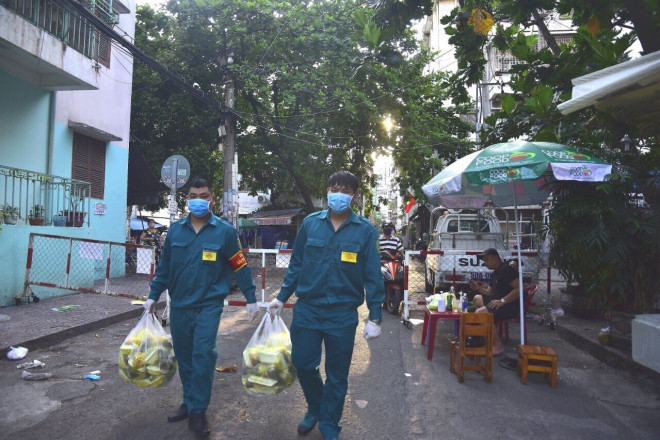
[65,104]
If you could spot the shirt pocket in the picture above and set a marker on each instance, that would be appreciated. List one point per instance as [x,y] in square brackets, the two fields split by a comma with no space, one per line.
[179,250]
[314,248]
[349,255]
[210,254]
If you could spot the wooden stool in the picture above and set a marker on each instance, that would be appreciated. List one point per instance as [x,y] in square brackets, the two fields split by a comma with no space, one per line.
[537,358]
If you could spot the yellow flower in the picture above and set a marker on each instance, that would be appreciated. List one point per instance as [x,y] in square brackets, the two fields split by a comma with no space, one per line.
[481,21]
[593,25]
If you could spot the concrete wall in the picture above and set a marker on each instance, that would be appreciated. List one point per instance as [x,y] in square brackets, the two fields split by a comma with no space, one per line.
[24,114]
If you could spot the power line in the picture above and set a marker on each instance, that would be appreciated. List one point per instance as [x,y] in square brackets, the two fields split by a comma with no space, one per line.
[137,53]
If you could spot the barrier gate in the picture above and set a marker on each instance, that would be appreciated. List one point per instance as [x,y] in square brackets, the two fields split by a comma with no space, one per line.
[89,266]
[126,269]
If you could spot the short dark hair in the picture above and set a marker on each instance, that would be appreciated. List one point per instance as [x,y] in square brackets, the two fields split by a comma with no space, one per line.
[200,182]
[345,179]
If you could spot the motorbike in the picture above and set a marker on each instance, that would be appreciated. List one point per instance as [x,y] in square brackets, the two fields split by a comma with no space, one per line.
[392,270]
[421,245]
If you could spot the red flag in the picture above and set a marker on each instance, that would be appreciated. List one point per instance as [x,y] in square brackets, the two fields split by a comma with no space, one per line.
[409,204]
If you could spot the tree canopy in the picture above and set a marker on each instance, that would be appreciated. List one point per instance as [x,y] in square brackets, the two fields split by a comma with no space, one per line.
[313,80]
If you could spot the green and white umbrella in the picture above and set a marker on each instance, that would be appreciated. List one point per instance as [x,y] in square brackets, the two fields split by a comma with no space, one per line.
[512,174]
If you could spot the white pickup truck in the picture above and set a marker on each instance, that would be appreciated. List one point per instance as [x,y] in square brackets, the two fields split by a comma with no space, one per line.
[463,236]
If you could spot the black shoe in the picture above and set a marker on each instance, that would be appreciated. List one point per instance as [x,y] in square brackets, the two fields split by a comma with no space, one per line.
[179,414]
[307,423]
[197,422]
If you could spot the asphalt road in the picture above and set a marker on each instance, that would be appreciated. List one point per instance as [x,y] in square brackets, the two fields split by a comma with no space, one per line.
[394,393]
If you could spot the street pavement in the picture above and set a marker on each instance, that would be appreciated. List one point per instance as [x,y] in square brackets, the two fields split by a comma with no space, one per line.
[394,391]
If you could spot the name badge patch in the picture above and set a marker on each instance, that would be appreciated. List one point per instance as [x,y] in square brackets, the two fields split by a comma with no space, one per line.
[349,257]
[209,255]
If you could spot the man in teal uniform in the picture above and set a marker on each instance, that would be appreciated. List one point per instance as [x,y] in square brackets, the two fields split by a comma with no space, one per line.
[200,255]
[334,261]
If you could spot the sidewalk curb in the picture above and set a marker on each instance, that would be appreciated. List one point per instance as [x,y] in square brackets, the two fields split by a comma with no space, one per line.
[605,355]
[60,336]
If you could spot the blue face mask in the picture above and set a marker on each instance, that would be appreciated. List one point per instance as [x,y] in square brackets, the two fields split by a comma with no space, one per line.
[339,202]
[198,207]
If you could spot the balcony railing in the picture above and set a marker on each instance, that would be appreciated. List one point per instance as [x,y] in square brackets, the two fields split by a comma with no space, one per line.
[66,24]
[27,195]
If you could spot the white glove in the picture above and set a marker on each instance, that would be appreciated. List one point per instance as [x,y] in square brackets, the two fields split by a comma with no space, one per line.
[149,305]
[252,310]
[275,307]
[371,330]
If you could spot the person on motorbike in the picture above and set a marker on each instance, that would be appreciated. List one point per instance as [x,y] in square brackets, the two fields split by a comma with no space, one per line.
[390,245]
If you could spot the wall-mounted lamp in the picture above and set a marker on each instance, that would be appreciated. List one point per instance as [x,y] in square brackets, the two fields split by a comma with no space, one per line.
[627,146]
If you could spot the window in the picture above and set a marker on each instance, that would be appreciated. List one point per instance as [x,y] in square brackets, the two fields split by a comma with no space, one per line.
[88,162]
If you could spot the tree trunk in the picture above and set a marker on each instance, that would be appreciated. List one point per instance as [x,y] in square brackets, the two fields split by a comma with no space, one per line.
[552,43]
[644,26]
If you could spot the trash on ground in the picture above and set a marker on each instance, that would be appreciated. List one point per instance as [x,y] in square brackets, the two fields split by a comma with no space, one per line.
[28,365]
[361,403]
[229,369]
[407,374]
[4,317]
[137,302]
[95,372]
[17,353]
[26,375]
[415,321]
[64,308]
[91,377]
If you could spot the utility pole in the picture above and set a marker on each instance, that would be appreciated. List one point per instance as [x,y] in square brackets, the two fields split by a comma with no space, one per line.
[230,189]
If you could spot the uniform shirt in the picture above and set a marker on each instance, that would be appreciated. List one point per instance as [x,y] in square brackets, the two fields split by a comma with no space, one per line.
[197,268]
[391,245]
[330,270]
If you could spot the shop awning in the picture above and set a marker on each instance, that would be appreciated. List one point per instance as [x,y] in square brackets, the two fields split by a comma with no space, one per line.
[628,91]
[281,217]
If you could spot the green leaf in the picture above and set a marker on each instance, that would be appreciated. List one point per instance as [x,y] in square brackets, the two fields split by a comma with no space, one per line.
[508,103]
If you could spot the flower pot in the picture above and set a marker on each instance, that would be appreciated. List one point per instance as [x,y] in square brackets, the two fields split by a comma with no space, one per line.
[59,220]
[11,220]
[75,219]
[36,221]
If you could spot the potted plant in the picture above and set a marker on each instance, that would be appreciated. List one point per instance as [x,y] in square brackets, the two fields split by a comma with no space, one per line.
[36,217]
[605,242]
[75,216]
[10,214]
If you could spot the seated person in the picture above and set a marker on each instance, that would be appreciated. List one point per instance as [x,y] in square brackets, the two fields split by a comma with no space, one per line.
[501,297]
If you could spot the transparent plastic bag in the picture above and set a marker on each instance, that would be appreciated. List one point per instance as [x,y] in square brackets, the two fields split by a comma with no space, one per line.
[146,357]
[267,365]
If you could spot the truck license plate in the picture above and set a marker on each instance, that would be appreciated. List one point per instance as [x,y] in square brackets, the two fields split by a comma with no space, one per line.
[480,275]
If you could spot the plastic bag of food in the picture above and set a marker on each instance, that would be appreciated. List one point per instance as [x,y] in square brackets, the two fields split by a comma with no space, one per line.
[267,365]
[146,357]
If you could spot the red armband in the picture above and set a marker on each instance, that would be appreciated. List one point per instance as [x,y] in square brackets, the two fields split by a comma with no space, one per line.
[238,261]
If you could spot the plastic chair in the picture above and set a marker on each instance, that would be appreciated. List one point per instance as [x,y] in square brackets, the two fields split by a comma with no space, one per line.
[528,294]
[473,324]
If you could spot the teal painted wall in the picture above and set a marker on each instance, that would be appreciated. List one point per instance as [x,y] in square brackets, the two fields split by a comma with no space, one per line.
[108,227]
[24,115]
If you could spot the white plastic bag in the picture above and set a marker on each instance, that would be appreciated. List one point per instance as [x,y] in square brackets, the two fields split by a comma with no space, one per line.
[146,357]
[267,365]
[17,353]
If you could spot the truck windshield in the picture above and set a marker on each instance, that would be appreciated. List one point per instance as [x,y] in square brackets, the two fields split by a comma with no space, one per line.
[468,226]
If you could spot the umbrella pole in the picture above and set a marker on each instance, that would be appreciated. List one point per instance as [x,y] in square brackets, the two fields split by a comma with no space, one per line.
[520,277]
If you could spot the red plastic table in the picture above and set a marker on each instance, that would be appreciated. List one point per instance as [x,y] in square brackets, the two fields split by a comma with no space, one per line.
[431,319]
